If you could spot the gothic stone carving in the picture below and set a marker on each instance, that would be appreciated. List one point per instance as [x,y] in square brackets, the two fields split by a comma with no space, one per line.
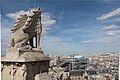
[25,29]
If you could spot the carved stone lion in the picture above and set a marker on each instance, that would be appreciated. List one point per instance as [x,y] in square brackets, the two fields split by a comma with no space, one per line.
[25,29]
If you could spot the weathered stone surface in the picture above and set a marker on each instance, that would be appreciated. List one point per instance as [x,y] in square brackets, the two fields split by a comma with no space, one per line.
[43,76]
[25,56]
[21,42]
[25,29]
[23,70]
[23,61]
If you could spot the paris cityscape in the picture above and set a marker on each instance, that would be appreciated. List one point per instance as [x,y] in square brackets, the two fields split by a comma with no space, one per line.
[99,66]
[60,39]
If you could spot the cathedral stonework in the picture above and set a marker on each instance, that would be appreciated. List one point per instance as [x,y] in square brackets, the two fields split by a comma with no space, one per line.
[24,59]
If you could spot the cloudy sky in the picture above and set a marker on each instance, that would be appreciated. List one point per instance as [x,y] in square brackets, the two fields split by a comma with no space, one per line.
[69,27]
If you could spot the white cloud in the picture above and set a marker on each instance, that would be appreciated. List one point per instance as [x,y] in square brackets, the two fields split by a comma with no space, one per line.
[71,31]
[112,20]
[46,19]
[5,34]
[74,31]
[113,32]
[110,27]
[110,37]
[16,14]
[57,45]
[115,20]
[87,42]
[109,15]
[110,34]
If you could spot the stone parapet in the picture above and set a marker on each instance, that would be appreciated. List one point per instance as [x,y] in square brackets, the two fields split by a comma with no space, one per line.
[25,55]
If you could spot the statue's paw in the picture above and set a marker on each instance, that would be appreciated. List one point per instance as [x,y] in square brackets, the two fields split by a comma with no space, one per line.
[30,47]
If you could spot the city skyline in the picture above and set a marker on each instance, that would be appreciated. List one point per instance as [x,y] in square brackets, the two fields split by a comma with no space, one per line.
[69,26]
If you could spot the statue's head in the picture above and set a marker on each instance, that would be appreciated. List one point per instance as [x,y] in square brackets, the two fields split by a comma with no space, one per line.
[35,10]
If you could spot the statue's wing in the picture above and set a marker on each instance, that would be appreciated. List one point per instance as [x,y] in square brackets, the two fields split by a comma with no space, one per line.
[30,23]
[19,22]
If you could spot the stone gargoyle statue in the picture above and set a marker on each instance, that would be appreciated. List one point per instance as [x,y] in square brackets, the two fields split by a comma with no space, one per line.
[26,27]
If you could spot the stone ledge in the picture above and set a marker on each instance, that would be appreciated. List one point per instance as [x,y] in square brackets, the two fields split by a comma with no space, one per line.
[25,56]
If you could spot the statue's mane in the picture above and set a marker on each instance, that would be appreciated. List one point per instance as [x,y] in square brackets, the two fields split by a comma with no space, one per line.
[19,22]
[25,20]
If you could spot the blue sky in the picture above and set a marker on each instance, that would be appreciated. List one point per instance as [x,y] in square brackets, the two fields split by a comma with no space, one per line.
[69,27]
